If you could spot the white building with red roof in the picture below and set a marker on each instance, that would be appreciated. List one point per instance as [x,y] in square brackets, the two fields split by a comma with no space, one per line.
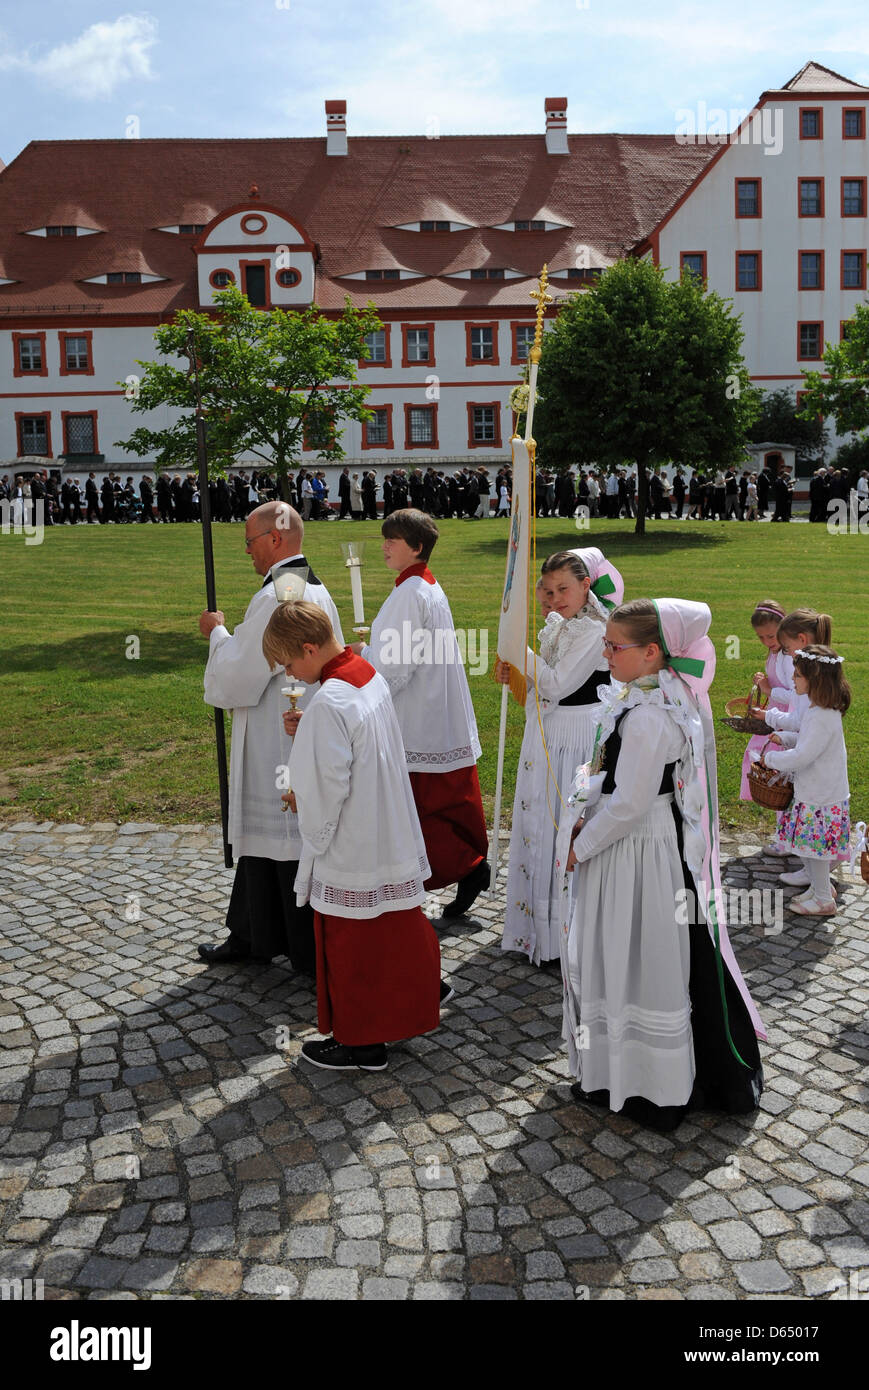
[102,240]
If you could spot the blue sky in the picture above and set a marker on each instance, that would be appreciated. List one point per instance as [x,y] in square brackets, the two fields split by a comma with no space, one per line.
[264,67]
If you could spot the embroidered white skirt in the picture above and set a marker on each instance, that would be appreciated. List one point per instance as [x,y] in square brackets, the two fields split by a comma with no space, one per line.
[626,966]
[534,908]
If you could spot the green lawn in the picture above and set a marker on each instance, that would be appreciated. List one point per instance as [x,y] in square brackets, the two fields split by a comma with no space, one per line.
[90,735]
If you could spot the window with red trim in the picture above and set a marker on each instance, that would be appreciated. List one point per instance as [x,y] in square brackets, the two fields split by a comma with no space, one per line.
[749,270]
[377,433]
[854,197]
[484,425]
[810,341]
[318,434]
[379,350]
[420,427]
[417,344]
[481,344]
[853,122]
[34,434]
[79,433]
[693,263]
[748,197]
[811,270]
[29,354]
[811,123]
[523,339]
[853,270]
[810,197]
[219,279]
[76,353]
[288,279]
[844,329]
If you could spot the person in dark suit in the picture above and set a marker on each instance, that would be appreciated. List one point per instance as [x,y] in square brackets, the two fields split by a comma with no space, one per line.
[344,494]
[92,499]
[164,499]
[764,482]
[679,492]
[369,497]
[146,492]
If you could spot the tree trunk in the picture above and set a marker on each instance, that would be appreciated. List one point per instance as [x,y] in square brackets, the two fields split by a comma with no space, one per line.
[642,497]
[284,485]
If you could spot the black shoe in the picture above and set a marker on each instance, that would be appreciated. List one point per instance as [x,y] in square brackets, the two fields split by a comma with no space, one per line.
[334,1056]
[599,1099]
[469,889]
[447,992]
[222,955]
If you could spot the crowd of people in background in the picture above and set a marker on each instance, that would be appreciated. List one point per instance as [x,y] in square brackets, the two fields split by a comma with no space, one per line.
[724,495]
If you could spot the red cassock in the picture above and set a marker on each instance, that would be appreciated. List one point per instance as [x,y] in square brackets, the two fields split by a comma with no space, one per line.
[378,978]
[450,810]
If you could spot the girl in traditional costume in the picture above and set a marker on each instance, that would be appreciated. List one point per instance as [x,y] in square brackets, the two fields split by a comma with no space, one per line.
[578,586]
[816,824]
[775,682]
[657,1017]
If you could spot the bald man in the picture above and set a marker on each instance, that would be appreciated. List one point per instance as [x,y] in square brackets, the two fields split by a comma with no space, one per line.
[262,920]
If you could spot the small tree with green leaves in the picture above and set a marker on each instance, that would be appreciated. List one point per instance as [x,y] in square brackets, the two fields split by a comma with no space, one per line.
[642,370]
[267,379]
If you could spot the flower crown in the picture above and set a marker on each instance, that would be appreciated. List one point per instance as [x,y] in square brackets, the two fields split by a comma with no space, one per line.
[814,656]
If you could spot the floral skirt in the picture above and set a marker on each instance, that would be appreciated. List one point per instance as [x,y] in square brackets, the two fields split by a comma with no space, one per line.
[815,832]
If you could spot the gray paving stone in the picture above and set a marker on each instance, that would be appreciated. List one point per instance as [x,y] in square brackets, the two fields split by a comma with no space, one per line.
[762,1276]
[342,1284]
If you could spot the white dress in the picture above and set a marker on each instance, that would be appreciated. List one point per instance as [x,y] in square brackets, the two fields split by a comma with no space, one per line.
[570,654]
[626,958]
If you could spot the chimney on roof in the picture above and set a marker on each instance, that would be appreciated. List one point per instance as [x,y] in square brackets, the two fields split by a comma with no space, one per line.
[336,127]
[556,125]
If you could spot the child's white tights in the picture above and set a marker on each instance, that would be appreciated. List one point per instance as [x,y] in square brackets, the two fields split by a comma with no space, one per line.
[818,871]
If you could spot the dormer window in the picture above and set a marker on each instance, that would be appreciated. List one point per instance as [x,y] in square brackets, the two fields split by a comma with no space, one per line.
[529,224]
[487,274]
[497,272]
[592,273]
[61,231]
[382,275]
[429,224]
[191,228]
[124,277]
[393,273]
[535,226]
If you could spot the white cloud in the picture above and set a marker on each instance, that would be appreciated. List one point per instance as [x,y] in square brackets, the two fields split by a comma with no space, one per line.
[98,61]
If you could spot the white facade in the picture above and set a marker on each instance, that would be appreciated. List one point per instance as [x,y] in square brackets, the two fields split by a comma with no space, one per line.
[767,154]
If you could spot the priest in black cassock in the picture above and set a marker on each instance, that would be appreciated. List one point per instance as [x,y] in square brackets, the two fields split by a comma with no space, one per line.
[263,919]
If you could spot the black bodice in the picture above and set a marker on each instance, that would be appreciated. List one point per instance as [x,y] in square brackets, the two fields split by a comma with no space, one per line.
[613,748]
[587,692]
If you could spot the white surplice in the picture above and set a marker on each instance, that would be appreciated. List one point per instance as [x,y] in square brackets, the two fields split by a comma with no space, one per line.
[362,848]
[413,646]
[238,678]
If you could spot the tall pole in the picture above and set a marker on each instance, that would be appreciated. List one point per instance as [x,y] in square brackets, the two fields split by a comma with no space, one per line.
[210,588]
[542,299]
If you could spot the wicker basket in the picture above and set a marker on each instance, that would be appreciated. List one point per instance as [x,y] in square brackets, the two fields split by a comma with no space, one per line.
[739,717]
[767,787]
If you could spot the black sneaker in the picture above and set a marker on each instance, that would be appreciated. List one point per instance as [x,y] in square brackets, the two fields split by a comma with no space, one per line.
[447,992]
[469,889]
[334,1056]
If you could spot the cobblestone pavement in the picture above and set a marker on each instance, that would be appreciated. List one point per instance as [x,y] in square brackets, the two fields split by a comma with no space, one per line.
[160,1137]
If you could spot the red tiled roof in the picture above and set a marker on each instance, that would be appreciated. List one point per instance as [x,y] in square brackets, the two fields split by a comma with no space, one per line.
[610,190]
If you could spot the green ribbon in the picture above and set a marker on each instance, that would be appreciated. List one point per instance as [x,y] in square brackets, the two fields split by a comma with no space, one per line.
[686,665]
[601,586]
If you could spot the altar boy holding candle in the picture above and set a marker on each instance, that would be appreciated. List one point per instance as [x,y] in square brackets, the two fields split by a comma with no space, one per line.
[363,860]
[413,646]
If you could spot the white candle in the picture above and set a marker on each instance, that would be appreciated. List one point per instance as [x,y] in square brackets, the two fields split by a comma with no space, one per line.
[356,590]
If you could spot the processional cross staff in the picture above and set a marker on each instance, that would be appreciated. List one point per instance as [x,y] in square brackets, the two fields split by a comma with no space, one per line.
[210,589]
[513,618]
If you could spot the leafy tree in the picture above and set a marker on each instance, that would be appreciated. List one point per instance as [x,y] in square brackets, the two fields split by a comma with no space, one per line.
[779,422]
[643,370]
[266,378]
[853,457]
[843,391]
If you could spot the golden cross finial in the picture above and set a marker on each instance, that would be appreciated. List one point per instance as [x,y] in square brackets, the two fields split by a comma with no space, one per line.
[542,300]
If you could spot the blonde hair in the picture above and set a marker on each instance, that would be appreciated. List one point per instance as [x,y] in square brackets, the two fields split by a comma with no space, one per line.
[640,618]
[818,626]
[290,627]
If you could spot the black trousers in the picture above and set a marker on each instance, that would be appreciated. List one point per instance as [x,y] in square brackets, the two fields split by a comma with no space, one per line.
[264,917]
